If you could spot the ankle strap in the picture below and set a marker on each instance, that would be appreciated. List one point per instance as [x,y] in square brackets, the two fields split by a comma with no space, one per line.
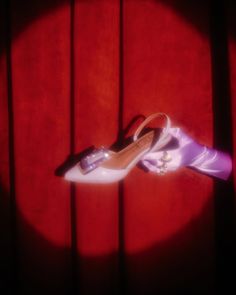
[164,136]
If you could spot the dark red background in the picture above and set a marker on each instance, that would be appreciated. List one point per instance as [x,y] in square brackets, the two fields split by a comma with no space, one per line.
[75,74]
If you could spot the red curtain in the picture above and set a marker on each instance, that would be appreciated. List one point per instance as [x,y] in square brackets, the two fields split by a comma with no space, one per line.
[74,74]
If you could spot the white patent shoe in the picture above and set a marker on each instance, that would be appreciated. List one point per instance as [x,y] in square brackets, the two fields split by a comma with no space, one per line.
[106,166]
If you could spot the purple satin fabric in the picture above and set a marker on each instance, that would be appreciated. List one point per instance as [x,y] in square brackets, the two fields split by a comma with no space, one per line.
[191,154]
[207,160]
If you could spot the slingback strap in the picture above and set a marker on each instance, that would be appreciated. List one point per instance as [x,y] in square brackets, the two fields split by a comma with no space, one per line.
[164,137]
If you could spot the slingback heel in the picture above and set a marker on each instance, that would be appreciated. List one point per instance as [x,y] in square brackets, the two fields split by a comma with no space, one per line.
[106,166]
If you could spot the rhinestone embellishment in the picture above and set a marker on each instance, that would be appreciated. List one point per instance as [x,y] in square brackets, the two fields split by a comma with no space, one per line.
[166,158]
[93,160]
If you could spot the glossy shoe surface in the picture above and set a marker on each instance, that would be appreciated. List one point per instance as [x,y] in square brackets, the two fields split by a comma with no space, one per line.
[98,175]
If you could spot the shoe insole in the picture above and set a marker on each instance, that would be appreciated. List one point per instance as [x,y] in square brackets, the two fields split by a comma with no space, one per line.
[121,159]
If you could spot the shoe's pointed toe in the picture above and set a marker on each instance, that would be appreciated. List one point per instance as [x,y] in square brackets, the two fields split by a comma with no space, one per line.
[98,175]
[74,174]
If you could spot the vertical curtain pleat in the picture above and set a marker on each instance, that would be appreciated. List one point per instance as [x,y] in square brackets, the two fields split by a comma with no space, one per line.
[224,203]
[168,220]
[231,33]
[40,81]
[96,61]
[6,229]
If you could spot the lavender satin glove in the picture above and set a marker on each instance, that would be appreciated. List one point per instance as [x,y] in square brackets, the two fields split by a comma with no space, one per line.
[191,154]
